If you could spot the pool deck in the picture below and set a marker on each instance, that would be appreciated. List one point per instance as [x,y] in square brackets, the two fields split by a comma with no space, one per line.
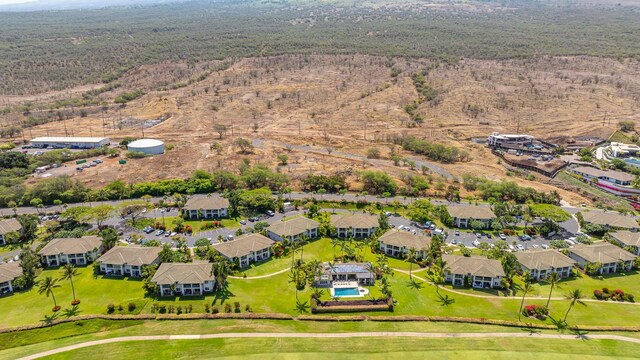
[348,285]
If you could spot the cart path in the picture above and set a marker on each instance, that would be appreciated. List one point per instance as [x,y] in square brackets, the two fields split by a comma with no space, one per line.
[492,335]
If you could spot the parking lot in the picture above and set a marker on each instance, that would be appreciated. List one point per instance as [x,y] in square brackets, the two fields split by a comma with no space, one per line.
[452,236]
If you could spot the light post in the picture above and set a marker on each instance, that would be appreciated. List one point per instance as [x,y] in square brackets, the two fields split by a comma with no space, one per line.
[163,224]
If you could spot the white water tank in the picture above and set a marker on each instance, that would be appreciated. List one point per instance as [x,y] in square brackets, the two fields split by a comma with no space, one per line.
[147,146]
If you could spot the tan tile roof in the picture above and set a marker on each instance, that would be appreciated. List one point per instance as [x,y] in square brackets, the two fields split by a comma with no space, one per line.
[610,218]
[81,245]
[617,175]
[474,265]
[180,273]
[243,245]
[10,271]
[131,255]
[206,203]
[604,253]
[405,239]
[293,227]
[626,237]
[9,225]
[470,212]
[543,259]
[356,221]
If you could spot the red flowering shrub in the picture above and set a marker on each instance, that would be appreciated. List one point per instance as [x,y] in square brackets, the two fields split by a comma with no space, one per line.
[536,311]
[615,295]
[211,225]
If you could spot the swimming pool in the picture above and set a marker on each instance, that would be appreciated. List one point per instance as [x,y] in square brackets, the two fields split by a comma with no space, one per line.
[346,292]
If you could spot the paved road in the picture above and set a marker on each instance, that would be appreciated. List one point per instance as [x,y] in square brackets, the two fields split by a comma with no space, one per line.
[380,334]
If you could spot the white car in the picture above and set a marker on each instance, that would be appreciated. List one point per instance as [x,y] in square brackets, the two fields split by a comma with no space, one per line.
[535,246]
[503,236]
[476,243]
[520,247]
[544,246]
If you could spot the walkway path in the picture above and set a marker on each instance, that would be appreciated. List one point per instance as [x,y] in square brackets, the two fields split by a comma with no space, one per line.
[492,335]
[508,297]
[261,276]
[450,290]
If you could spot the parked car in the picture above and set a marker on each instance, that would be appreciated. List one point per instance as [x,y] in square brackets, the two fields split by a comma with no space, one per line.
[79,168]
[243,222]
[174,233]
[476,243]
[454,242]
[479,235]
[270,213]
[520,247]
[159,232]
[544,246]
[503,237]
[229,237]
[387,213]
[98,161]
[525,237]
[167,234]
[457,232]
[488,236]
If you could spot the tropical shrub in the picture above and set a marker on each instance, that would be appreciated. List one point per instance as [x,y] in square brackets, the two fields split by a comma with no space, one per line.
[211,225]
[536,311]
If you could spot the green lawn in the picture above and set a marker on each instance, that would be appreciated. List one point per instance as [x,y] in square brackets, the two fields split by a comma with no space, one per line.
[319,249]
[13,345]
[94,293]
[276,294]
[629,282]
[371,348]
[68,333]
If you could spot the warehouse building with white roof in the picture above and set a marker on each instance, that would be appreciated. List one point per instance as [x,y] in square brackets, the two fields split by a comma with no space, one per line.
[69,142]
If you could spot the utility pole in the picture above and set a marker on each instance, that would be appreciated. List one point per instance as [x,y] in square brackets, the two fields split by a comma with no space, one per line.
[299,127]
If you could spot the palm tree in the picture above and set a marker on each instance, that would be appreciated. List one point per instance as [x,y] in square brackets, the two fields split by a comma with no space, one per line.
[221,269]
[526,278]
[437,273]
[575,296]
[553,279]
[411,257]
[68,272]
[47,286]
[302,242]
[294,248]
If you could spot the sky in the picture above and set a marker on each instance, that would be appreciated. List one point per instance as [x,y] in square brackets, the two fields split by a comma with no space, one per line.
[6,2]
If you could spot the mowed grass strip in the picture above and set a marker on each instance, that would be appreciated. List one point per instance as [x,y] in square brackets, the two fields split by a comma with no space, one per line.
[371,348]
